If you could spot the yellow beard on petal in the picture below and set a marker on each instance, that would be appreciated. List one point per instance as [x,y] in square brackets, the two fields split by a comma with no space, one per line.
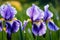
[13,20]
[4,29]
[2,19]
[38,22]
[29,20]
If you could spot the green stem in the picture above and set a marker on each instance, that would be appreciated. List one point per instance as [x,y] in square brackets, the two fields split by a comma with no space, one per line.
[21,35]
[2,35]
[50,35]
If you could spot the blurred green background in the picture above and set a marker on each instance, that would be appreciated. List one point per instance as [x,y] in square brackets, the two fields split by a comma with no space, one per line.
[21,7]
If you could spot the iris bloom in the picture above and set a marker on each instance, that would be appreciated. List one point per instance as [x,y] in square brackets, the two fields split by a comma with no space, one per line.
[12,24]
[47,17]
[39,18]
[7,11]
[36,15]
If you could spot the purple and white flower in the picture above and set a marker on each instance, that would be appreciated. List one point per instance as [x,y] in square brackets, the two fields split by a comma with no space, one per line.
[36,14]
[47,17]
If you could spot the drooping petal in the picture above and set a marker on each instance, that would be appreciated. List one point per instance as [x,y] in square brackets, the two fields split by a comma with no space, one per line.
[41,30]
[13,27]
[35,29]
[47,13]
[1,26]
[24,24]
[16,25]
[8,27]
[7,11]
[35,13]
[52,26]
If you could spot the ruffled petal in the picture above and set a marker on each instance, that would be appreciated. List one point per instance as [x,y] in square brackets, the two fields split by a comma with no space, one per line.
[16,25]
[47,13]
[13,27]
[52,26]
[35,13]
[41,30]
[7,11]
[35,29]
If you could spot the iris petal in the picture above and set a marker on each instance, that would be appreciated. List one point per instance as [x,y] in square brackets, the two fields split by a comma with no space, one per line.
[35,13]
[47,13]
[52,26]
[7,11]
[8,27]
[16,25]
[41,30]
[1,25]
[24,24]
[13,27]
[35,29]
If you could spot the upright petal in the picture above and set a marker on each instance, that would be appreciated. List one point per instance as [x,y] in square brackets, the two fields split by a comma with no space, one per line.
[1,26]
[47,13]
[52,26]
[35,13]
[7,11]
[41,30]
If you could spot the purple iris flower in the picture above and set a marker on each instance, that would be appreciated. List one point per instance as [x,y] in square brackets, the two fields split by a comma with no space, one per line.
[39,18]
[47,17]
[1,25]
[12,27]
[36,15]
[7,11]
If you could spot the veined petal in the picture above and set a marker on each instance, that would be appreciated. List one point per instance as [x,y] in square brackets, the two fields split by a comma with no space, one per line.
[8,27]
[35,29]
[1,25]
[13,27]
[24,24]
[7,11]
[47,13]
[52,26]
[35,13]
[41,30]
[16,25]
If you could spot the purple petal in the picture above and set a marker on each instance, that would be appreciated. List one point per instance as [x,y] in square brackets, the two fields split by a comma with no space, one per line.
[24,24]
[35,13]
[13,27]
[1,25]
[47,13]
[41,30]
[7,11]
[16,25]
[8,27]
[52,26]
